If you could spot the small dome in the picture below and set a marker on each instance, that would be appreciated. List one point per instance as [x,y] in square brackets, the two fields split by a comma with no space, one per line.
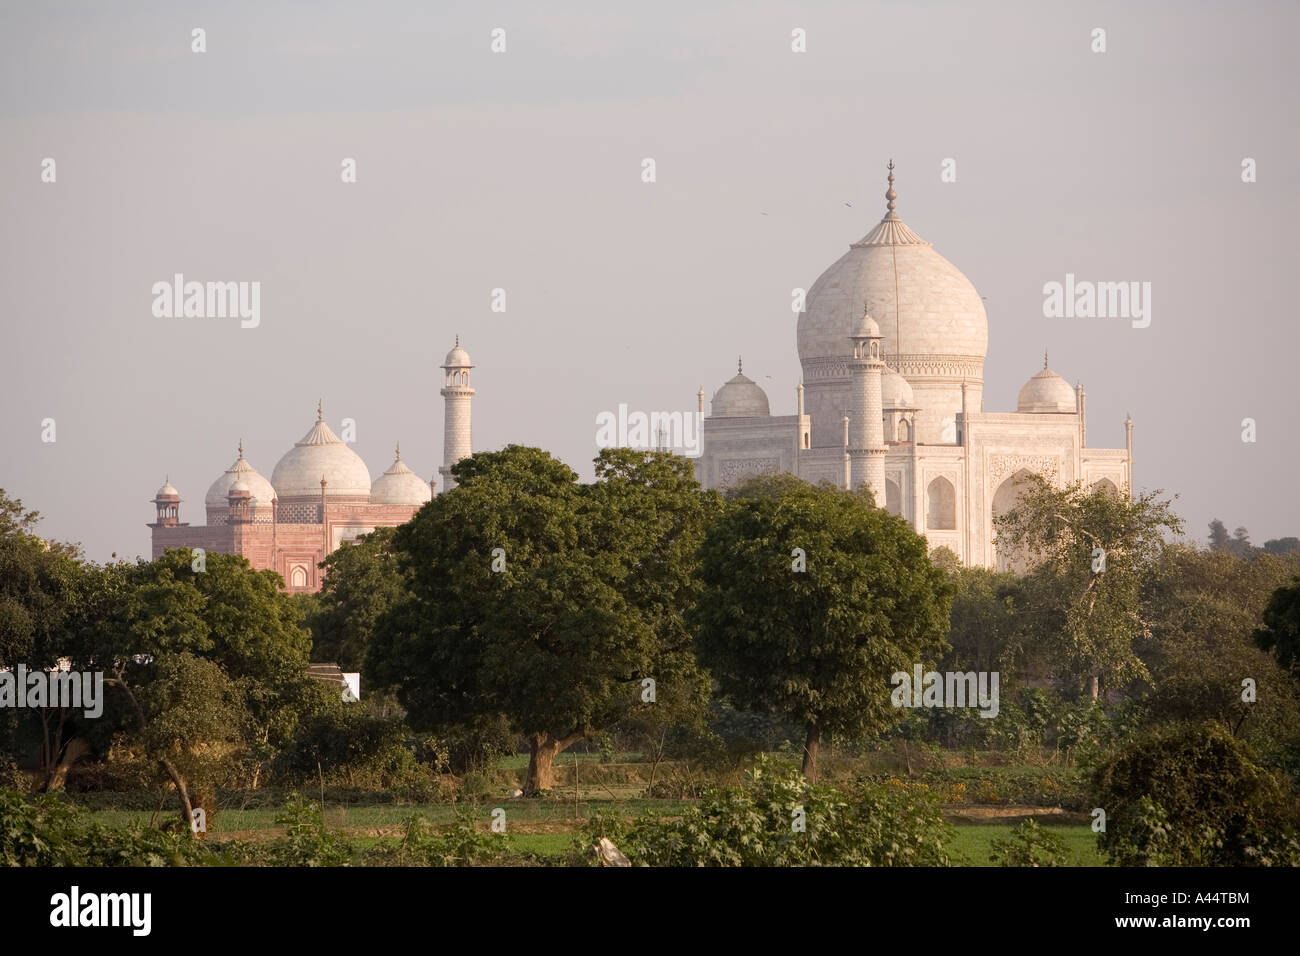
[867,326]
[240,487]
[399,486]
[457,357]
[1046,392]
[167,491]
[895,392]
[259,489]
[320,454]
[740,398]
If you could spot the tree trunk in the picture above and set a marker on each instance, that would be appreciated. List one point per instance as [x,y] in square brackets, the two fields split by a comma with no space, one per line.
[187,808]
[58,774]
[542,750]
[1094,686]
[810,748]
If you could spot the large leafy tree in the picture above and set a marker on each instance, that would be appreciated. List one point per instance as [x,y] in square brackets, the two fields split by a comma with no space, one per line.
[38,586]
[362,582]
[546,601]
[207,663]
[1202,609]
[817,641]
[1089,553]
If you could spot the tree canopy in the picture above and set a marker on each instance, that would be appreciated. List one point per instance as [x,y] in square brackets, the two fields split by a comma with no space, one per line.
[812,598]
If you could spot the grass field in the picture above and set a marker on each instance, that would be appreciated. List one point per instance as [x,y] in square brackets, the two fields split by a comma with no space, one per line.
[549,827]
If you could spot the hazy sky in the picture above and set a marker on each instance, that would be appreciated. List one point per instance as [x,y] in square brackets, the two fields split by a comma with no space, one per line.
[522,171]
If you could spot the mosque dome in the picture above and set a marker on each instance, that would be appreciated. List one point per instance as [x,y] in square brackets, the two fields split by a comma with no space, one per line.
[320,454]
[740,397]
[260,491]
[894,390]
[167,491]
[1046,392]
[931,318]
[399,486]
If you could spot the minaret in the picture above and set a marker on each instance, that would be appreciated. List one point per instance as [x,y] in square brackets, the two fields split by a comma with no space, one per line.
[867,438]
[1128,444]
[167,502]
[848,459]
[457,438]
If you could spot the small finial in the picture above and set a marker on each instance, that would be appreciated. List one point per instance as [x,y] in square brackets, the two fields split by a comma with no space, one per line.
[320,410]
[457,340]
[740,365]
[1044,358]
[890,194]
[399,451]
[241,448]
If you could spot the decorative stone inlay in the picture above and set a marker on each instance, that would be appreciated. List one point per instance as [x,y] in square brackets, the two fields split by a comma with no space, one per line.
[735,470]
[1049,466]
[969,367]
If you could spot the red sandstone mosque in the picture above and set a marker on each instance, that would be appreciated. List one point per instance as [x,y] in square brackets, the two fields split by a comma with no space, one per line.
[320,495]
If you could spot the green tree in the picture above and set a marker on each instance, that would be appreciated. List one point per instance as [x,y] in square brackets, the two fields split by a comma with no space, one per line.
[812,599]
[1280,634]
[1288,545]
[1218,536]
[206,662]
[38,586]
[546,601]
[1202,608]
[1090,552]
[362,582]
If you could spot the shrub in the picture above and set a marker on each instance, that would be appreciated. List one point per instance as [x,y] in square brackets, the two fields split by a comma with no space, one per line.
[776,818]
[1192,795]
[465,844]
[1029,845]
[308,842]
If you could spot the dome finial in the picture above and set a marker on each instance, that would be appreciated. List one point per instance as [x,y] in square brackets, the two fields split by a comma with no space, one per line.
[457,340]
[1044,358]
[889,193]
[241,448]
[740,365]
[399,451]
[320,410]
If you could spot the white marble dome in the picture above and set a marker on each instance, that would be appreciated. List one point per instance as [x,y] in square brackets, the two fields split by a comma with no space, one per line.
[1046,392]
[167,490]
[928,312]
[399,486]
[740,397]
[894,390]
[260,491]
[457,357]
[320,454]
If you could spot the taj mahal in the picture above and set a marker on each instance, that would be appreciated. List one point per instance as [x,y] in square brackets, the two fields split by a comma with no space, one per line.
[892,340]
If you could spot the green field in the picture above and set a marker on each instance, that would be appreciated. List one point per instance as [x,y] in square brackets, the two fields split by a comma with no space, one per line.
[549,826]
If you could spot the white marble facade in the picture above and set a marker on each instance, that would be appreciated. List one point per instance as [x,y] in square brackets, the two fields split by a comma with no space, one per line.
[950,467]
